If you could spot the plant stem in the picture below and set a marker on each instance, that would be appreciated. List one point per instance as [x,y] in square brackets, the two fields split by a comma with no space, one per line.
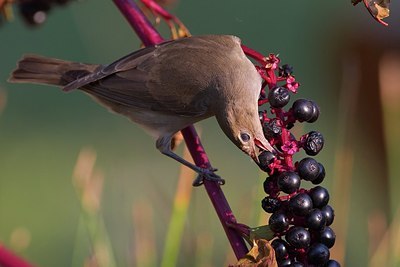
[148,34]
[9,259]
[139,22]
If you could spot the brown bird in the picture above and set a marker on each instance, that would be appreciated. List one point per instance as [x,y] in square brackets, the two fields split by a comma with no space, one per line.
[167,87]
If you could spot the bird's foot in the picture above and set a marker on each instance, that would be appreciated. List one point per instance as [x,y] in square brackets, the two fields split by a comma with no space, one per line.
[207,174]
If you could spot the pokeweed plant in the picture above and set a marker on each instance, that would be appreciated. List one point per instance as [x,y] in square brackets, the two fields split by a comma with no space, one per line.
[301,216]
[299,225]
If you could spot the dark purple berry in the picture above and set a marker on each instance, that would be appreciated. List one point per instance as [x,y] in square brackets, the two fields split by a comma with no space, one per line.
[265,158]
[281,249]
[321,174]
[303,110]
[288,182]
[34,13]
[319,196]
[315,112]
[332,263]
[272,129]
[298,237]
[285,70]
[329,214]
[278,222]
[308,169]
[270,204]
[270,186]
[313,143]
[318,254]
[300,204]
[327,237]
[278,97]
[285,262]
[296,264]
[316,220]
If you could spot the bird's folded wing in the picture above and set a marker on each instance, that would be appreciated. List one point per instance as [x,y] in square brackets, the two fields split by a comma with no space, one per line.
[175,77]
[121,64]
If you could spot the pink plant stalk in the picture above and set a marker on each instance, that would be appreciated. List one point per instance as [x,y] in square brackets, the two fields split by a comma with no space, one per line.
[9,259]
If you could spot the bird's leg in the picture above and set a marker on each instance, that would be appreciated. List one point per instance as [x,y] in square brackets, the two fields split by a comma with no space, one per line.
[164,145]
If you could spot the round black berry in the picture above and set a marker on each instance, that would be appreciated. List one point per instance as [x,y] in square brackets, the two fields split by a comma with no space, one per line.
[265,158]
[300,204]
[316,220]
[285,70]
[270,204]
[313,144]
[298,237]
[278,97]
[318,254]
[332,263]
[327,237]
[285,262]
[288,182]
[315,112]
[34,13]
[281,249]
[272,129]
[297,264]
[321,174]
[278,222]
[270,186]
[319,196]
[302,110]
[329,214]
[308,169]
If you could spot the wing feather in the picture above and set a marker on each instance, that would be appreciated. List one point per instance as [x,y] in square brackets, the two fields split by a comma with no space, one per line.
[177,77]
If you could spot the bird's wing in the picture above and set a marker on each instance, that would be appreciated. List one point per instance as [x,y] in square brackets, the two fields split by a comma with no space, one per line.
[177,77]
[129,61]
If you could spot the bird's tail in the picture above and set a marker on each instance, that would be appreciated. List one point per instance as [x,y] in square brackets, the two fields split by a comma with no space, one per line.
[52,71]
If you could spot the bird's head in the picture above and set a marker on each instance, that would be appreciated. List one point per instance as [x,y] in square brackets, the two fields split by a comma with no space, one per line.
[242,125]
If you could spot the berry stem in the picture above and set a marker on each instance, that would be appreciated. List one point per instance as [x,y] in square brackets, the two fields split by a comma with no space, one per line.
[149,35]
[254,54]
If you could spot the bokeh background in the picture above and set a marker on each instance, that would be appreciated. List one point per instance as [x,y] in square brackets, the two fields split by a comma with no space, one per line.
[80,186]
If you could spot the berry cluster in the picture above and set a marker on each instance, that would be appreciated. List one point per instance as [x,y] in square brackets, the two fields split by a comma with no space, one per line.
[35,12]
[300,218]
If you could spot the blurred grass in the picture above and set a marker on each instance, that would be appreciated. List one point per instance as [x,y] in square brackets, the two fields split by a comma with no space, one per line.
[42,131]
[181,203]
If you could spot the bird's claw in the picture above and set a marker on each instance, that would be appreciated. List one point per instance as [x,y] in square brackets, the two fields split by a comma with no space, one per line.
[208,174]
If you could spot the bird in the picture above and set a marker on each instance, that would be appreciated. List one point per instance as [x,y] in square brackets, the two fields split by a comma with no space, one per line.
[167,87]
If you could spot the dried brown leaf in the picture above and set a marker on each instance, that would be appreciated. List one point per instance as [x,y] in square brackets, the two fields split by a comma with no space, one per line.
[261,255]
[378,9]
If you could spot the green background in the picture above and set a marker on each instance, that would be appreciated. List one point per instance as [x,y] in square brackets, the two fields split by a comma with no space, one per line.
[43,129]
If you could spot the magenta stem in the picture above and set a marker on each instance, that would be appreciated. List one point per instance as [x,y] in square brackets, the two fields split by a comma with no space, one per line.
[139,22]
[149,36]
[215,193]
[254,54]
[9,259]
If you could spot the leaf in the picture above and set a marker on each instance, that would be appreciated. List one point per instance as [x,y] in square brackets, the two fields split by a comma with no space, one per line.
[261,255]
[379,9]
[261,232]
[6,9]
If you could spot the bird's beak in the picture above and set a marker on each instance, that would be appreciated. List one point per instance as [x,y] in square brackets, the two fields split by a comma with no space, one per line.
[259,147]
[263,145]
[254,154]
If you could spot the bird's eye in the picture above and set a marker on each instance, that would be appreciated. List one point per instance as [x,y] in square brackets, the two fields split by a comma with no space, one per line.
[245,137]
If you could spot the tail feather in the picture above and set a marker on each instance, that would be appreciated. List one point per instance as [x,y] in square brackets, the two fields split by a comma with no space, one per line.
[44,70]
